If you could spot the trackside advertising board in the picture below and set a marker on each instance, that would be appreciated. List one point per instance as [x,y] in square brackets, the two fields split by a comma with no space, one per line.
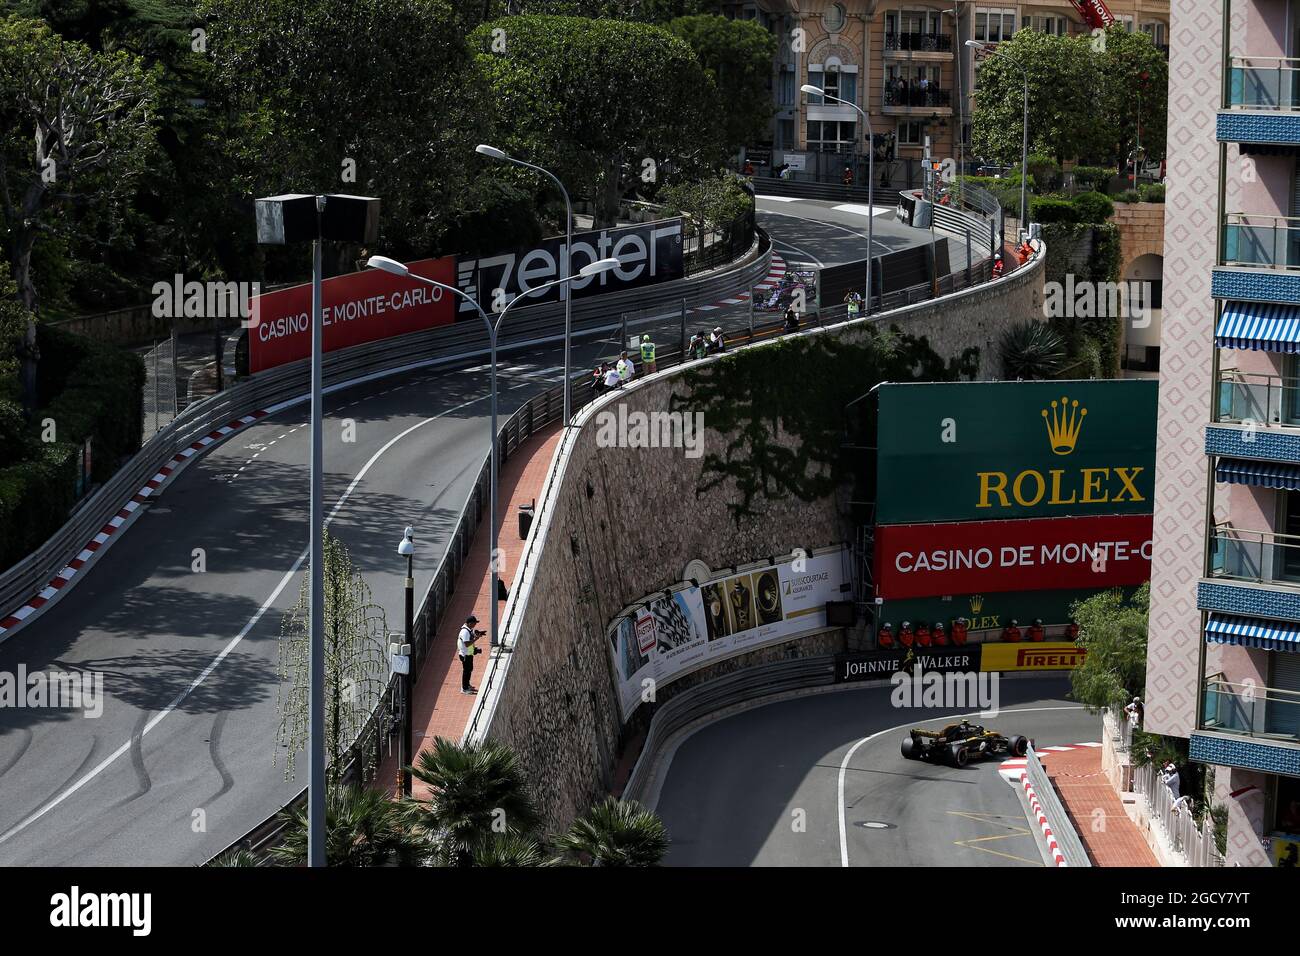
[355,309]
[666,636]
[648,252]
[966,451]
[965,557]
[881,665]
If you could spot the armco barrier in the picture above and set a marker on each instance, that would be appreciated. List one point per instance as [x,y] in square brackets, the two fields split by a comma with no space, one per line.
[1058,825]
[712,697]
[286,384]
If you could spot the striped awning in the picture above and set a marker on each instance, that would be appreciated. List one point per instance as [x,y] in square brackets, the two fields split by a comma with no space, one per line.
[1238,471]
[1260,326]
[1253,632]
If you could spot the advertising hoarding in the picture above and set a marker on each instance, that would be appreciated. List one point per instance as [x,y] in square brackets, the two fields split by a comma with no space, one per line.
[964,451]
[669,635]
[1042,656]
[649,252]
[989,612]
[929,560]
[881,665]
[357,308]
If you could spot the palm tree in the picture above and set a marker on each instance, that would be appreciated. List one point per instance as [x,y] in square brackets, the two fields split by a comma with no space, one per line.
[510,849]
[616,833]
[476,791]
[362,828]
[235,858]
[1031,350]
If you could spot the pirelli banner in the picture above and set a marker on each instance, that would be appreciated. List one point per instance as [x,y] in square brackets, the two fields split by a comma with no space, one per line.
[1047,656]
[984,451]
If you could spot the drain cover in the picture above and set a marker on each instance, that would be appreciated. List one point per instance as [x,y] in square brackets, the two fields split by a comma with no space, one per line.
[874,825]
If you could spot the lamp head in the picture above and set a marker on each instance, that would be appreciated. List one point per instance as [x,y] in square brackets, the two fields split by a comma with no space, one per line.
[491,152]
[975,44]
[597,267]
[387,265]
[811,90]
[407,547]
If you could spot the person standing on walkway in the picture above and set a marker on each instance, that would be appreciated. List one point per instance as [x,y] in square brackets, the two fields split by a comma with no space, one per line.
[791,320]
[626,369]
[466,650]
[648,354]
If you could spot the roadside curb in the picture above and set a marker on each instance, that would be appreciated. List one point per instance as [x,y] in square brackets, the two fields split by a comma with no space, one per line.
[1057,856]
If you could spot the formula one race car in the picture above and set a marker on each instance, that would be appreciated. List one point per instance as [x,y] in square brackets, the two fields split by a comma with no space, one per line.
[958,743]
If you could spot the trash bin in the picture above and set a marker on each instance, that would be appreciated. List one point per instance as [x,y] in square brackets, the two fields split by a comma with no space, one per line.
[525,520]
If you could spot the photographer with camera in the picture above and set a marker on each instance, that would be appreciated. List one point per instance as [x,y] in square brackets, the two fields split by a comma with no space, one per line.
[466,649]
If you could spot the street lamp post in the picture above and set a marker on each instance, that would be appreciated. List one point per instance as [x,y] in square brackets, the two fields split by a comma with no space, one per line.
[1024,136]
[493,153]
[396,268]
[871,179]
[407,550]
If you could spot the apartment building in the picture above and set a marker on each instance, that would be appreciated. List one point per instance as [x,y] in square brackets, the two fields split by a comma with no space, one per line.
[904,62]
[1223,666]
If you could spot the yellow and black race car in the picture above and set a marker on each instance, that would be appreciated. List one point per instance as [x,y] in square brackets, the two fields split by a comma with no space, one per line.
[959,743]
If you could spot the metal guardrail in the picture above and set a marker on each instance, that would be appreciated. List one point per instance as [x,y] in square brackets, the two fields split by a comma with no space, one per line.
[1067,838]
[462,340]
[1194,844]
[694,703]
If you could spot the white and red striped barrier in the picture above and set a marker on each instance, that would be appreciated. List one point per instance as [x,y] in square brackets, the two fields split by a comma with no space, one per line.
[1057,856]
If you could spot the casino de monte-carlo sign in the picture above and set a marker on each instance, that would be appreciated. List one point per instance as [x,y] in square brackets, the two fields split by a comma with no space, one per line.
[991,451]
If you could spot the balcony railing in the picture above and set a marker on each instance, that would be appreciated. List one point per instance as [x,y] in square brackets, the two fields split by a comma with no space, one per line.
[1265,83]
[1246,397]
[1269,241]
[1261,557]
[919,42]
[1250,710]
[916,96]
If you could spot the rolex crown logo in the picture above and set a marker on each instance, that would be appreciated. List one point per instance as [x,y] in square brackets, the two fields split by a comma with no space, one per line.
[976,603]
[1064,421]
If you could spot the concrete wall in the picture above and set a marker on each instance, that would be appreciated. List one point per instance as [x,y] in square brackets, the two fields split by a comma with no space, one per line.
[615,524]
[1141,231]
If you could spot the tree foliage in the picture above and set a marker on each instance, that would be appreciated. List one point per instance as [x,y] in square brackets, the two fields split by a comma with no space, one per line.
[616,833]
[604,104]
[738,56]
[362,828]
[1113,630]
[356,665]
[76,131]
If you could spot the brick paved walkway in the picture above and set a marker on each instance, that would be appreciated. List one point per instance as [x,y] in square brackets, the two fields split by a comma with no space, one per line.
[441,710]
[1084,789]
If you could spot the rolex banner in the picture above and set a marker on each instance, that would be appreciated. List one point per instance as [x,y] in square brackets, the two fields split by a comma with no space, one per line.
[672,633]
[967,451]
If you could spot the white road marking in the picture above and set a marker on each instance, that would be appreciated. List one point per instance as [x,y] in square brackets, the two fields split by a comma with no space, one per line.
[234,642]
[780,198]
[859,210]
[844,764]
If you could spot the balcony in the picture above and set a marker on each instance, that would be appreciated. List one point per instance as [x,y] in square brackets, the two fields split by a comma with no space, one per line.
[1261,259]
[914,99]
[1264,714]
[1260,557]
[1246,397]
[903,43]
[1263,102]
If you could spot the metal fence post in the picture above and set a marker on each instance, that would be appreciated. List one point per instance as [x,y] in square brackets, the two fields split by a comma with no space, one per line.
[968,256]
[683,325]
[622,342]
[751,313]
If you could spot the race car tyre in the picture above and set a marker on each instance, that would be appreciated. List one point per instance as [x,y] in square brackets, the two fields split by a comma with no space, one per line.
[1019,746]
[958,755]
[909,749]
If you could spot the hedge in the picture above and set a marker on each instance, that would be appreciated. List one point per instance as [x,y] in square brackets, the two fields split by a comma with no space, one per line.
[1047,209]
[1093,207]
[1095,178]
[35,498]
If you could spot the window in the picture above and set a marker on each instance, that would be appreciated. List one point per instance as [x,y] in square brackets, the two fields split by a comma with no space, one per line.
[834,18]
[834,82]
[1288,561]
[1126,22]
[1157,31]
[785,90]
[994,25]
[1055,26]
[832,136]
[910,133]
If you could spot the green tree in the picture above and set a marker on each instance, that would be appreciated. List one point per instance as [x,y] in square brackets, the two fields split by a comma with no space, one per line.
[738,55]
[1064,80]
[616,833]
[362,828]
[478,794]
[76,130]
[356,666]
[1134,93]
[511,849]
[377,97]
[604,104]
[1114,633]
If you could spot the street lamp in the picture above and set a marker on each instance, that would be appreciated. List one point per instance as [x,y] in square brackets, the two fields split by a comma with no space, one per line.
[407,550]
[399,269]
[493,153]
[871,179]
[1024,141]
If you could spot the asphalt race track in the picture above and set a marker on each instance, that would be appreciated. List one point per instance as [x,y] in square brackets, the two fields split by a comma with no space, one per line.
[733,792]
[183,759]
